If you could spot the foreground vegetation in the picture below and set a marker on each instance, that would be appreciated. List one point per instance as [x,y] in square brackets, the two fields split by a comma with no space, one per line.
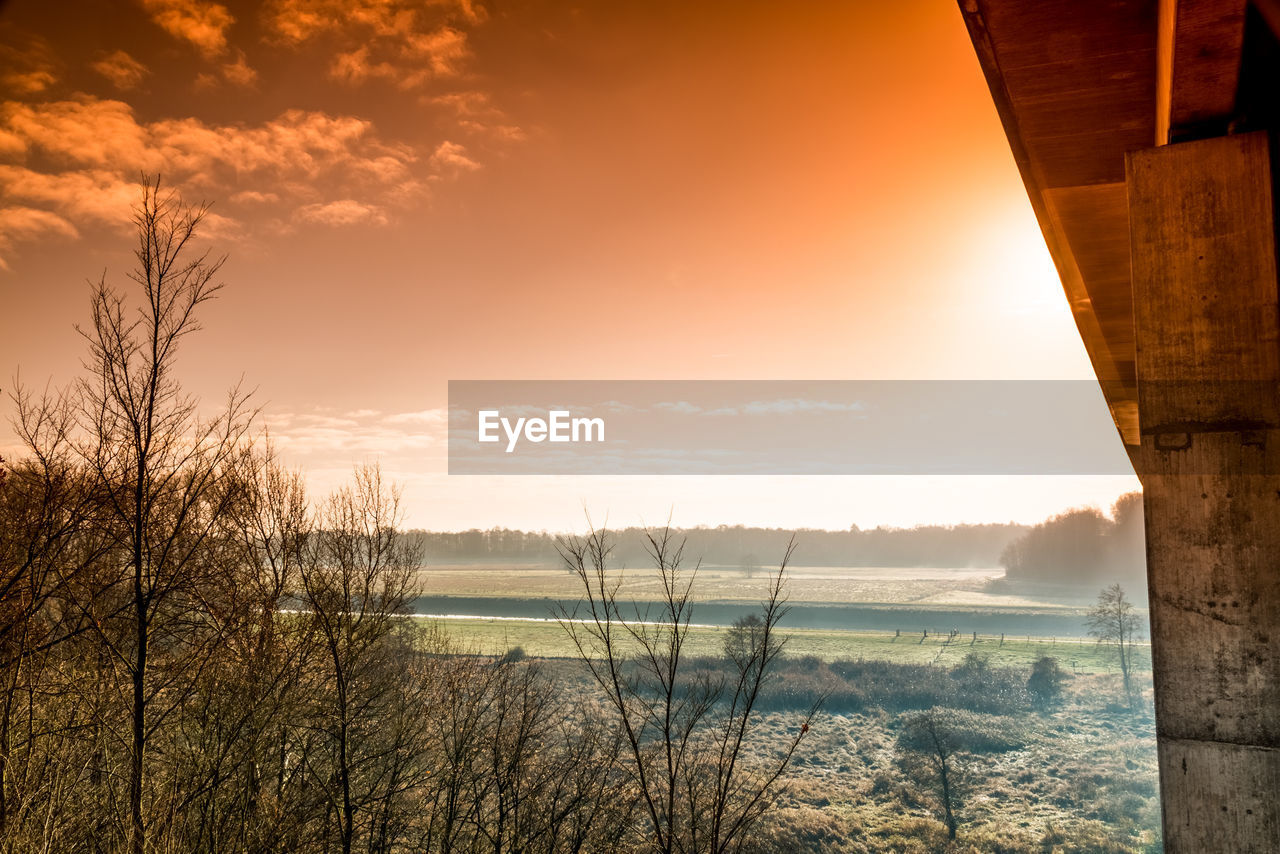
[1078,779]
[195,655]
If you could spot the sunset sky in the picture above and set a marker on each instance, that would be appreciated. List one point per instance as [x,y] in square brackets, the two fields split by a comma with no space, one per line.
[410,193]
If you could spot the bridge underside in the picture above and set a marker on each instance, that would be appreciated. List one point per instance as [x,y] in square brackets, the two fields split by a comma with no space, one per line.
[1143,130]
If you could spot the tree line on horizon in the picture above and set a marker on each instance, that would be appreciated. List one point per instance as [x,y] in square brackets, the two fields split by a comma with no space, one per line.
[743,547]
[1081,547]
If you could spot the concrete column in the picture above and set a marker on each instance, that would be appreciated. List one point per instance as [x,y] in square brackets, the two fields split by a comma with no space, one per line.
[1207,321]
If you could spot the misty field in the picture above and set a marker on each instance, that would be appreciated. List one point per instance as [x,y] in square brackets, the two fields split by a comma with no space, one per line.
[809,584]
[496,608]
[546,639]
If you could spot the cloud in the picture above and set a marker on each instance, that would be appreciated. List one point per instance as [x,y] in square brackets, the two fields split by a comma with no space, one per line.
[253,197]
[362,432]
[341,212]
[425,416]
[681,407]
[476,113]
[199,22]
[84,131]
[80,159]
[788,406]
[791,406]
[19,223]
[238,73]
[92,195]
[450,156]
[30,82]
[121,69]
[28,63]
[405,43]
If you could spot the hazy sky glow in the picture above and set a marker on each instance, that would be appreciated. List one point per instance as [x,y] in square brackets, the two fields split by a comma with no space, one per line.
[416,192]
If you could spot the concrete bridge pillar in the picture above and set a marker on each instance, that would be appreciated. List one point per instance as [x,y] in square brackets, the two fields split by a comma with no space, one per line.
[1207,322]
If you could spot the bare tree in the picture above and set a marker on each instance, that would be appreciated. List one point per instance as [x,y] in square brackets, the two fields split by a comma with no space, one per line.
[1112,620]
[237,781]
[931,745]
[685,730]
[48,544]
[357,576]
[159,466]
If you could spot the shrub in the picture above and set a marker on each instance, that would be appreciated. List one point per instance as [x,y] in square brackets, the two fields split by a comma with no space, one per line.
[1045,682]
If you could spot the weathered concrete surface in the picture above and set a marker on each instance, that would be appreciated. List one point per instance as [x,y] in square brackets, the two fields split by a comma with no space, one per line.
[1207,328]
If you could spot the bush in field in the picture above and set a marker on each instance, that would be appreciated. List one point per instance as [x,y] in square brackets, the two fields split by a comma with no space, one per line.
[975,666]
[854,686]
[1045,683]
[899,687]
[800,684]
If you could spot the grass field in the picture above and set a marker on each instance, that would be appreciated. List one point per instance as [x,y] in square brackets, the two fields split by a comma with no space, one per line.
[547,639]
[924,586]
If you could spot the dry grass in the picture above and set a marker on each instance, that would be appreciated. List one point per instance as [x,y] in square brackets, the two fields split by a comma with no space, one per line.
[1083,781]
[872,585]
[546,639]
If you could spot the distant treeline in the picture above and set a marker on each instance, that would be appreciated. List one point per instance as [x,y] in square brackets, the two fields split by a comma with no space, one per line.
[746,548]
[1079,547]
[1082,547]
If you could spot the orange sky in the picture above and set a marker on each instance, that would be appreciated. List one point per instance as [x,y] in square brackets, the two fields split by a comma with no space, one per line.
[416,192]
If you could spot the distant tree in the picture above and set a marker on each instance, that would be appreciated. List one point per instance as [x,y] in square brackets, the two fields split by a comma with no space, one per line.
[1081,546]
[1113,621]
[1066,549]
[1045,683]
[1126,543]
[750,565]
[743,637]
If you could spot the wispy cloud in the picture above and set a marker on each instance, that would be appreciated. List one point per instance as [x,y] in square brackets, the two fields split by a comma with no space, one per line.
[78,159]
[359,433]
[435,417]
[341,212]
[121,69]
[238,73]
[27,64]
[19,223]
[788,406]
[200,23]
[407,44]
[452,157]
[476,114]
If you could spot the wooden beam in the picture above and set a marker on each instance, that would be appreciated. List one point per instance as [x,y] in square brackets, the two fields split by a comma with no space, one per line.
[1197,67]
